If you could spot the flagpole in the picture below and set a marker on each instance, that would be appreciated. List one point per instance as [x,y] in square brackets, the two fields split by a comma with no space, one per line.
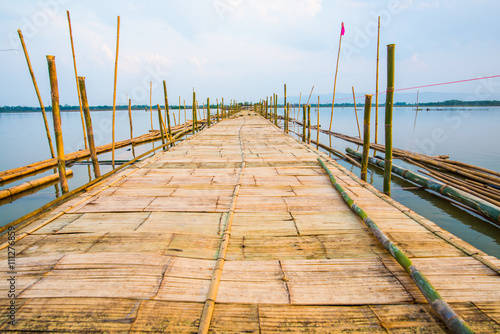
[342,31]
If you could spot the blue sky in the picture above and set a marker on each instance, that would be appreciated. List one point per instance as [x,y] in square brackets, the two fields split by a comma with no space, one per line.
[247,49]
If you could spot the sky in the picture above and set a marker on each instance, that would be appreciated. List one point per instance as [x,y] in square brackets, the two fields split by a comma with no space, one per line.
[247,49]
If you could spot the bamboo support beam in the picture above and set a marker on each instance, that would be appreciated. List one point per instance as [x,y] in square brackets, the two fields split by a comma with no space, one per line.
[88,123]
[5,193]
[452,320]
[56,115]
[366,138]
[388,118]
[44,114]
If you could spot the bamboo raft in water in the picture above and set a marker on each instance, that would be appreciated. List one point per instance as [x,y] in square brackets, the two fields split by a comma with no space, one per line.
[239,229]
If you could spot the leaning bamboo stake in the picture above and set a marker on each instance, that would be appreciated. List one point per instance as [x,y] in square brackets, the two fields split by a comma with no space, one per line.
[46,123]
[56,115]
[160,120]
[167,110]
[376,87]
[356,112]
[388,118]
[366,138]
[336,72]
[76,78]
[114,88]
[452,320]
[88,123]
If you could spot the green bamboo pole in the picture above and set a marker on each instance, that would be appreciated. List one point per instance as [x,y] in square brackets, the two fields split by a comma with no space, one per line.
[452,320]
[114,90]
[88,123]
[56,115]
[167,110]
[356,112]
[309,124]
[275,109]
[376,86]
[218,117]
[304,122]
[208,111]
[366,138]
[388,118]
[46,123]
[160,120]
[194,112]
[76,77]
[487,209]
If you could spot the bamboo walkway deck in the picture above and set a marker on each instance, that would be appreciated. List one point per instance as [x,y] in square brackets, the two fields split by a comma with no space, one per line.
[136,254]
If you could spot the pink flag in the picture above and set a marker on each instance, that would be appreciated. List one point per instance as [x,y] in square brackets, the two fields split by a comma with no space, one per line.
[342,31]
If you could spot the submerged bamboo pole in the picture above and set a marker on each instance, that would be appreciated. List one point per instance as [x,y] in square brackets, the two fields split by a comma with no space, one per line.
[356,112]
[44,114]
[5,193]
[452,320]
[167,110]
[388,118]
[76,78]
[366,138]
[56,115]
[88,123]
[114,88]
[336,72]
[160,120]
[376,86]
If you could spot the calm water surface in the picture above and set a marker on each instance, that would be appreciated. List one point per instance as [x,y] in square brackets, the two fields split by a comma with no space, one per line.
[467,134]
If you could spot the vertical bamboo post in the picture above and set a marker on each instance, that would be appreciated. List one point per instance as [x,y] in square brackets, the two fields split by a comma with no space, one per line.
[309,124]
[44,114]
[275,109]
[208,112]
[76,78]
[336,72]
[162,133]
[114,89]
[356,112]
[366,138]
[285,125]
[56,115]
[217,100]
[416,115]
[131,125]
[304,122]
[151,102]
[195,127]
[185,111]
[376,87]
[88,123]
[319,127]
[388,118]
[167,110]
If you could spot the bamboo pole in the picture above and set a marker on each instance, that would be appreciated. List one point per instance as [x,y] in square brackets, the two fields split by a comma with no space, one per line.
[487,209]
[6,193]
[167,110]
[114,88]
[388,118]
[416,115]
[285,126]
[319,126]
[185,111]
[194,112]
[151,102]
[336,72]
[366,138]
[208,112]
[275,109]
[218,119]
[356,112]
[88,123]
[44,114]
[304,122]
[160,120]
[452,320]
[376,86]
[309,124]
[76,78]
[131,126]
[56,115]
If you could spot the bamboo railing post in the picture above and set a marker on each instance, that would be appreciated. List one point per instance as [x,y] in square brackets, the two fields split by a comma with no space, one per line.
[76,77]
[388,118]
[56,113]
[376,87]
[218,119]
[356,112]
[167,111]
[44,114]
[185,111]
[162,133]
[366,138]
[194,112]
[151,102]
[304,122]
[114,89]
[285,116]
[319,126]
[275,109]
[131,126]
[309,124]
[88,123]
[208,111]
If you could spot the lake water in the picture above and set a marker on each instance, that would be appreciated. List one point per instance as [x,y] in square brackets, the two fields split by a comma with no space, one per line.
[467,134]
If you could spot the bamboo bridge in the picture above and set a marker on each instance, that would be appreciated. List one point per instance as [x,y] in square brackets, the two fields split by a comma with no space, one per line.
[240,229]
